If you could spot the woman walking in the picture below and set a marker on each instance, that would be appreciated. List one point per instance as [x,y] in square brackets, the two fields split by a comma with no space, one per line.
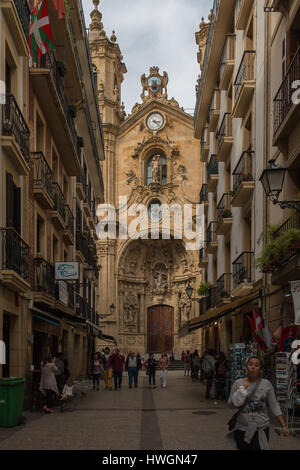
[151,369]
[48,385]
[164,364]
[95,370]
[249,428]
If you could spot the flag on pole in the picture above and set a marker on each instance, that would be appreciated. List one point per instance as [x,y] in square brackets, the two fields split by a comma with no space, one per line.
[257,328]
[40,36]
[59,5]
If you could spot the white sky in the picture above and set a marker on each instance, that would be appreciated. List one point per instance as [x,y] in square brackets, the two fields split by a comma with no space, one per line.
[155,33]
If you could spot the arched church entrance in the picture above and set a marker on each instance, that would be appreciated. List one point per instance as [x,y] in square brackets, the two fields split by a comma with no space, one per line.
[160,329]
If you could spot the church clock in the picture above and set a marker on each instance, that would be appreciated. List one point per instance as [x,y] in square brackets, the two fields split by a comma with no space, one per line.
[155,121]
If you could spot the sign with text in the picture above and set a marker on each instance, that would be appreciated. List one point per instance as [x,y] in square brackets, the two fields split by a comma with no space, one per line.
[66,271]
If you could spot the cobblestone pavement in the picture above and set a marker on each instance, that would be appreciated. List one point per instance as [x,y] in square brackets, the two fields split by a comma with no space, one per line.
[175,418]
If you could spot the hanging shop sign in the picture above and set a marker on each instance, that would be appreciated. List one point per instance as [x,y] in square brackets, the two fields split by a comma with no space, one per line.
[63,292]
[295,289]
[66,271]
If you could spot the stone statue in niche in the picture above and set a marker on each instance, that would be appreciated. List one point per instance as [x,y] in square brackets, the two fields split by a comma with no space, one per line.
[185,305]
[160,278]
[155,168]
[131,308]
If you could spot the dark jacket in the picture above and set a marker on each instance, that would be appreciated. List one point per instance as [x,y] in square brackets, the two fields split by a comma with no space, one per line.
[151,365]
[117,362]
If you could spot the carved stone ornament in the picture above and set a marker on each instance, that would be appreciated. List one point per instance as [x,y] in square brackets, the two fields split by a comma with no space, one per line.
[185,306]
[131,308]
[160,279]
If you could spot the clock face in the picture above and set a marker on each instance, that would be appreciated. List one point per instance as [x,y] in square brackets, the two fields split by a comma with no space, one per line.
[155,121]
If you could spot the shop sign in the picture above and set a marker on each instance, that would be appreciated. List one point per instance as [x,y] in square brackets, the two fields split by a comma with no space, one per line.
[63,292]
[66,271]
[295,289]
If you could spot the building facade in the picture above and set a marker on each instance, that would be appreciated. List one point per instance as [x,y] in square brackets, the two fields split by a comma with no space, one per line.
[151,159]
[51,195]
[237,121]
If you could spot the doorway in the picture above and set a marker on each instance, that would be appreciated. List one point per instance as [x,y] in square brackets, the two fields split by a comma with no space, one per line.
[160,329]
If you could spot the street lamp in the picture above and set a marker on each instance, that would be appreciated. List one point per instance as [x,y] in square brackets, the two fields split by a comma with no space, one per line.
[189,291]
[112,309]
[272,179]
[90,274]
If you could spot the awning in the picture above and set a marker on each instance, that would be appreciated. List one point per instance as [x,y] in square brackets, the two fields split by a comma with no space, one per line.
[96,331]
[45,316]
[219,312]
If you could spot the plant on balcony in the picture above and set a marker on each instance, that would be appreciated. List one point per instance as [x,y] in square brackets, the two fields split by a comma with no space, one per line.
[7,127]
[85,234]
[226,213]
[62,68]
[232,192]
[247,176]
[276,247]
[80,141]
[204,289]
[91,247]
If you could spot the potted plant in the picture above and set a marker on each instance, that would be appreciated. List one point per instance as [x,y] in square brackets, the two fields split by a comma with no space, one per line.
[80,141]
[226,214]
[7,127]
[91,247]
[204,289]
[247,176]
[62,68]
[232,192]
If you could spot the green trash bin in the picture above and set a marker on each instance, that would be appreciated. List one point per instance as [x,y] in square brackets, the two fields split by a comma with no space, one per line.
[11,401]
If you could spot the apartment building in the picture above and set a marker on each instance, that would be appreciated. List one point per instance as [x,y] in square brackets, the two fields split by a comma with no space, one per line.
[60,186]
[229,121]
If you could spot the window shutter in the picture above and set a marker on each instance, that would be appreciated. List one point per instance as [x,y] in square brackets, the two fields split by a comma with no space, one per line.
[9,200]
[17,209]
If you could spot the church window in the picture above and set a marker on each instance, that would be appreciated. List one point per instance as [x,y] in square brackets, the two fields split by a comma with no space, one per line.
[157,169]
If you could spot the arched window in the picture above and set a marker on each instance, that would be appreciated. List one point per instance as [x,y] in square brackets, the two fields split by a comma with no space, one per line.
[157,169]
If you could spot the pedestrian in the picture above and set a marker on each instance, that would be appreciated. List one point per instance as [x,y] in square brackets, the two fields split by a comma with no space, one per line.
[187,363]
[196,365]
[164,364]
[151,369]
[66,370]
[67,395]
[117,362]
[249,428]
[107,368]
[132,366]
[95,370]
[182,356]
[202,375]
[208,366]
[48,384]
[143,364]
[221,369]
[59,373]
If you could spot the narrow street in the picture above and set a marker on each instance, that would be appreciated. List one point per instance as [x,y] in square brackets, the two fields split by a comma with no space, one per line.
[175,418]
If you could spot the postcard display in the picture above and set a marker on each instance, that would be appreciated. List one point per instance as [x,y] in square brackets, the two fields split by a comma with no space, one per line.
[287,389]
[239,353]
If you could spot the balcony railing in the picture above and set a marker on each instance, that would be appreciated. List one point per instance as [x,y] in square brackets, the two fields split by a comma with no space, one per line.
[91,129]
[211,234]
[207,52]
[44,276]
[48,61]
[14,252]
[283,99]
[203,194]
[213,167]
[69,219]
[204,138]
[59,201]
[244,169]
[24,15]
[228,52]
[71,295]
[225,129]
[223,287]
[224,208]
[214,104]
[292,222]
[242,268]
[245,72]
[81,244]
[13,123]
[202,252]
[42,173]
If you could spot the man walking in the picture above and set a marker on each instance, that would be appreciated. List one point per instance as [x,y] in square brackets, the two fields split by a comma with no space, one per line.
[117,362]
[59,373]
[106,361]
[132,365]
[208,366]
[187,363]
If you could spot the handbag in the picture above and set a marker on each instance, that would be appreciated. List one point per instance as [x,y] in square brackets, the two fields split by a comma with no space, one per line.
[232,422]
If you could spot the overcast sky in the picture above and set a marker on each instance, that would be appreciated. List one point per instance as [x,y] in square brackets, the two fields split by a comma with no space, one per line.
[155,33]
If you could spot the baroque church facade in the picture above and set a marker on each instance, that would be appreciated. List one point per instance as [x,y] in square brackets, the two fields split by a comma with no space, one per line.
[152,159]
